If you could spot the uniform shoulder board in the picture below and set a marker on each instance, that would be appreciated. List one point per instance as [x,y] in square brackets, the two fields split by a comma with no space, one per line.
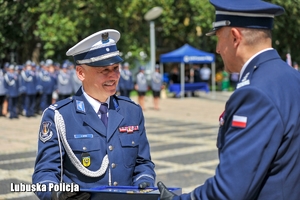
[61,103]
[125,99]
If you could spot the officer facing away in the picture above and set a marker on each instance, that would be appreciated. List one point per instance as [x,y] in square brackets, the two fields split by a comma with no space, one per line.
[259,132]
[93,138]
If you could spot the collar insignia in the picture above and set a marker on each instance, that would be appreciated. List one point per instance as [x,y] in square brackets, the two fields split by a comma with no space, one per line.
[80,106]
[245,77]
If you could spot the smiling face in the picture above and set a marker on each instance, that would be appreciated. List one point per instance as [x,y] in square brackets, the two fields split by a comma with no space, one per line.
[99,82]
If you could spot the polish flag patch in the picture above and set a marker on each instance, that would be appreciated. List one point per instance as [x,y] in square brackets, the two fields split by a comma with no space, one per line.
[239,121]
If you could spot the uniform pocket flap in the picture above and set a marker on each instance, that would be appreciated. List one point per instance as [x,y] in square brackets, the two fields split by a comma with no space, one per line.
[85,144]
[129,140]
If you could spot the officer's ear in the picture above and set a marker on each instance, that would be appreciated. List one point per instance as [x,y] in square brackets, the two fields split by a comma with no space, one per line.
[236,36]
[80,72]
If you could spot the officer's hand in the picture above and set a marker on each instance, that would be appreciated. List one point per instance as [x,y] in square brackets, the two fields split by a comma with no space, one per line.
[143,185]
[165,194]
[70,195]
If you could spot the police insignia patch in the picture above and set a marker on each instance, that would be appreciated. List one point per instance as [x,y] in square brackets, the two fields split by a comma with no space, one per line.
[45,133]
[80,106]
[86,159]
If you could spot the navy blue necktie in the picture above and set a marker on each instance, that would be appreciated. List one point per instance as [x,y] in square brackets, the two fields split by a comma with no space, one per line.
[103,111]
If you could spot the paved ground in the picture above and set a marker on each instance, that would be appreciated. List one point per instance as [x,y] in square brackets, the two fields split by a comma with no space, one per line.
[182,136]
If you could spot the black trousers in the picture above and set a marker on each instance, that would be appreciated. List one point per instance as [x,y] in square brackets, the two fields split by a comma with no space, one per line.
[2,98]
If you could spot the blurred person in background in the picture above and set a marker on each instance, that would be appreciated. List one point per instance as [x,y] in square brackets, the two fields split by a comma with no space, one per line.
[64,82]
[48,84]
[197,77]
[126,82]
[54,71]
[205,73]
[156,86]
[76,83]
[29,81]
[2,93]
[141,87]
[12,86]
[174,75]
[22,91]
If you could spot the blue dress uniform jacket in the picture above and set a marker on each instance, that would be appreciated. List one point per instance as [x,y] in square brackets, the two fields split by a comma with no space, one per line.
[259,136]
[64,83]
[47,82]
[29,80]
[126,81]
[76,83]
[11,84]
[156,81]
[141,82]
[2,86]
[128,152]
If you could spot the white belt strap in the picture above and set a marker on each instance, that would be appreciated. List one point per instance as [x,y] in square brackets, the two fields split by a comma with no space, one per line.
[61,132]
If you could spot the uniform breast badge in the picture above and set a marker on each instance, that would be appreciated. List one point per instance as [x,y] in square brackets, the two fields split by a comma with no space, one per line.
[86,159]
[45,133]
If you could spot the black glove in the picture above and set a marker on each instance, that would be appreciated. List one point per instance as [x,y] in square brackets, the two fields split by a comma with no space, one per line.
[70,195]
[143,185]
[165,194]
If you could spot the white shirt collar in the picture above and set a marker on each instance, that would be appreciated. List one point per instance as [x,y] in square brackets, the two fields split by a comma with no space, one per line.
[248,61]
[94,103]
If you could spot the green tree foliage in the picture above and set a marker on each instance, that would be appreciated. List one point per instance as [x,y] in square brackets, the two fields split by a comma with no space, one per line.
[286,34]
[41,29]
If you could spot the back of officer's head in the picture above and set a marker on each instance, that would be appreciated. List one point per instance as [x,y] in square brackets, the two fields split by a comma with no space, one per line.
[247,14]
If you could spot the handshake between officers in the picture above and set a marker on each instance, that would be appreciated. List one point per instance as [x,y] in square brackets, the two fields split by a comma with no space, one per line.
[93,138]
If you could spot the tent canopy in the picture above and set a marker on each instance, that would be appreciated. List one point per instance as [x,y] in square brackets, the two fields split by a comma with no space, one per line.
[187,54]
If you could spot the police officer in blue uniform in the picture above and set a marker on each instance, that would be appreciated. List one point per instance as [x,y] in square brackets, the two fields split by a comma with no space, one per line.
[156,86]
[2,92]
[22,91]
[76,83]
[48,84]
[94,138]
[64,82]
[12,86]
[141,86]
[259,133]
[126,82]
[30,82]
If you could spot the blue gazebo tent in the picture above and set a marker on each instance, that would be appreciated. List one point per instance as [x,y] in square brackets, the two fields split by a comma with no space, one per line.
[188,54]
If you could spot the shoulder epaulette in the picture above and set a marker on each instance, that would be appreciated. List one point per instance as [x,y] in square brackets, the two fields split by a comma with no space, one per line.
[61,103]
[125,99]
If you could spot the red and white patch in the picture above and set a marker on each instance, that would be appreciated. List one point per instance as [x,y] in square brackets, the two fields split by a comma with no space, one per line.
[221,119]
[239,121]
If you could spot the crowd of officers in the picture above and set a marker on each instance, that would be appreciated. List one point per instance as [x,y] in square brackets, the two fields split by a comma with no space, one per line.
[30,88]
